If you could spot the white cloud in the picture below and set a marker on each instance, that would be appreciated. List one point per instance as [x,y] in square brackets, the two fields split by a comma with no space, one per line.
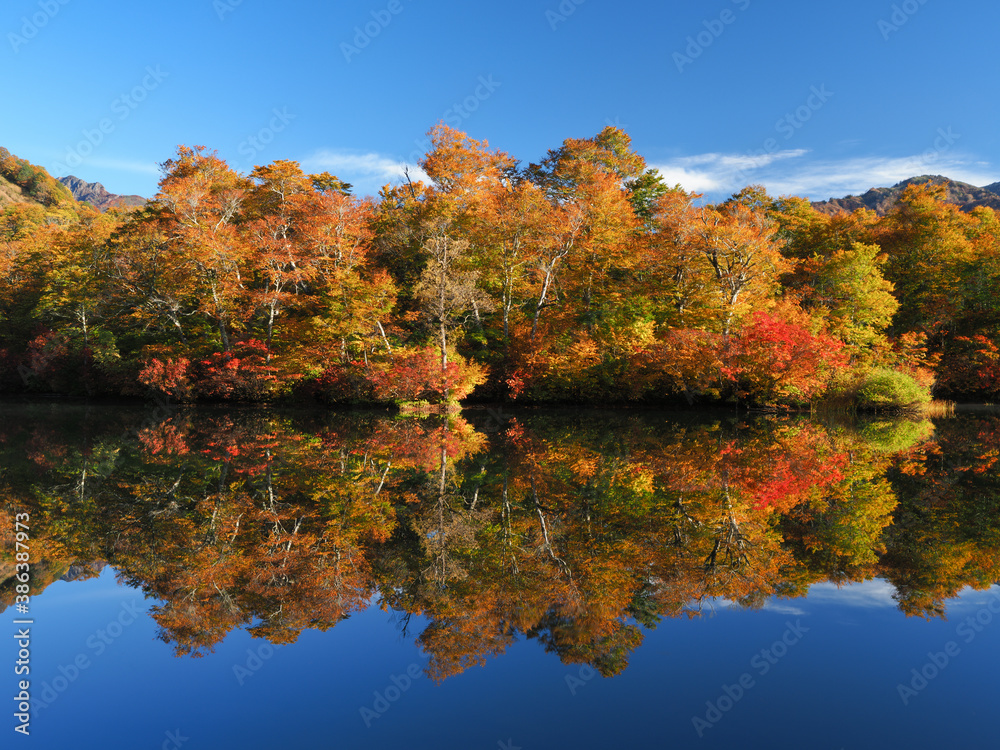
[720,173]
[780,607]
[773,605]
[822,180]
[694,181]
[876,593]
[738,162]
[789,173]
[367,172]
[970,601]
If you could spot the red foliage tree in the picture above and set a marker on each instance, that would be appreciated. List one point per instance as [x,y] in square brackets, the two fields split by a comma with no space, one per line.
[243,374]
[169,377]
[418,376]
[773,359]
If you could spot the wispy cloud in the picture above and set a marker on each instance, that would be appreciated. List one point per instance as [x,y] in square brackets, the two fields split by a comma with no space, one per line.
[367,172]
[783,608]
[835,179]
[86,167]
[876,593]
[970,601]
[789,172]
[716,172]
[773,605]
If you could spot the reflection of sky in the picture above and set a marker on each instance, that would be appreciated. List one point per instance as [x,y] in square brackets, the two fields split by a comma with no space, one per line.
[836,687]
[875,593]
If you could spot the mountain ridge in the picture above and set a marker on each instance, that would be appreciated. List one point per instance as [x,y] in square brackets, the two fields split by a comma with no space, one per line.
[882,199]
[98,196]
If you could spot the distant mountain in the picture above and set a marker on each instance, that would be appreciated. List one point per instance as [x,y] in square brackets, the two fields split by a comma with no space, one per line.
[880,200]
[95,194]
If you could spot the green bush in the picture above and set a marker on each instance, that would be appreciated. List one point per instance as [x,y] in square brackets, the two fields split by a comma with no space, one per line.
[885,389]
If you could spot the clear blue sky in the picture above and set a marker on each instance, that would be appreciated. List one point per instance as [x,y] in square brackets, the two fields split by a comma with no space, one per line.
[815,99]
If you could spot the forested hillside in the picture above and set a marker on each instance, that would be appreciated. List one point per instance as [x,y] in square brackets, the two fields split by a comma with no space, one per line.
[23,182]
[583,277]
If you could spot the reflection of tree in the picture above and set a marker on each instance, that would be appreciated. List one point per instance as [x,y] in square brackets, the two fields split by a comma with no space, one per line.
[946,534]
[576,531]
[841,534]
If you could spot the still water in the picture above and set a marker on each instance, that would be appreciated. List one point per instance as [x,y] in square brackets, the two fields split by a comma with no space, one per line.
[219,578]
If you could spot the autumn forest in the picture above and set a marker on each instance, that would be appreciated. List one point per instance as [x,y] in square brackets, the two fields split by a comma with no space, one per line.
[582,278]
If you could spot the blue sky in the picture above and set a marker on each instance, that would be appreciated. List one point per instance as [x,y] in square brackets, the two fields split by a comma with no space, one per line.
[814,99]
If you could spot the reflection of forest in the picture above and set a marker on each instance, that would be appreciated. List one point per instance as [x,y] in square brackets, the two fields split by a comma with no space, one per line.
[575,530]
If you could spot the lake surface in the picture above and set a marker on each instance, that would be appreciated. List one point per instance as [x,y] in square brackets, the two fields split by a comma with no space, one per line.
[206,578]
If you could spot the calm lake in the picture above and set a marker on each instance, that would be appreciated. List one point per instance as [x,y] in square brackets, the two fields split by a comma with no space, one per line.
[255,578]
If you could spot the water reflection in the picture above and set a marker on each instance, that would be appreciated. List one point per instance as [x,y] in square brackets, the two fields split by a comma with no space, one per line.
[571,529]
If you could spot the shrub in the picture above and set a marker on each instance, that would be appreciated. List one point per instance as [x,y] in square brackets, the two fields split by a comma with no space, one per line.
[884,389]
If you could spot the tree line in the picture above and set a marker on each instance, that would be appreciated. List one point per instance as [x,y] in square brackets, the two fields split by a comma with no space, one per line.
[583,277]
